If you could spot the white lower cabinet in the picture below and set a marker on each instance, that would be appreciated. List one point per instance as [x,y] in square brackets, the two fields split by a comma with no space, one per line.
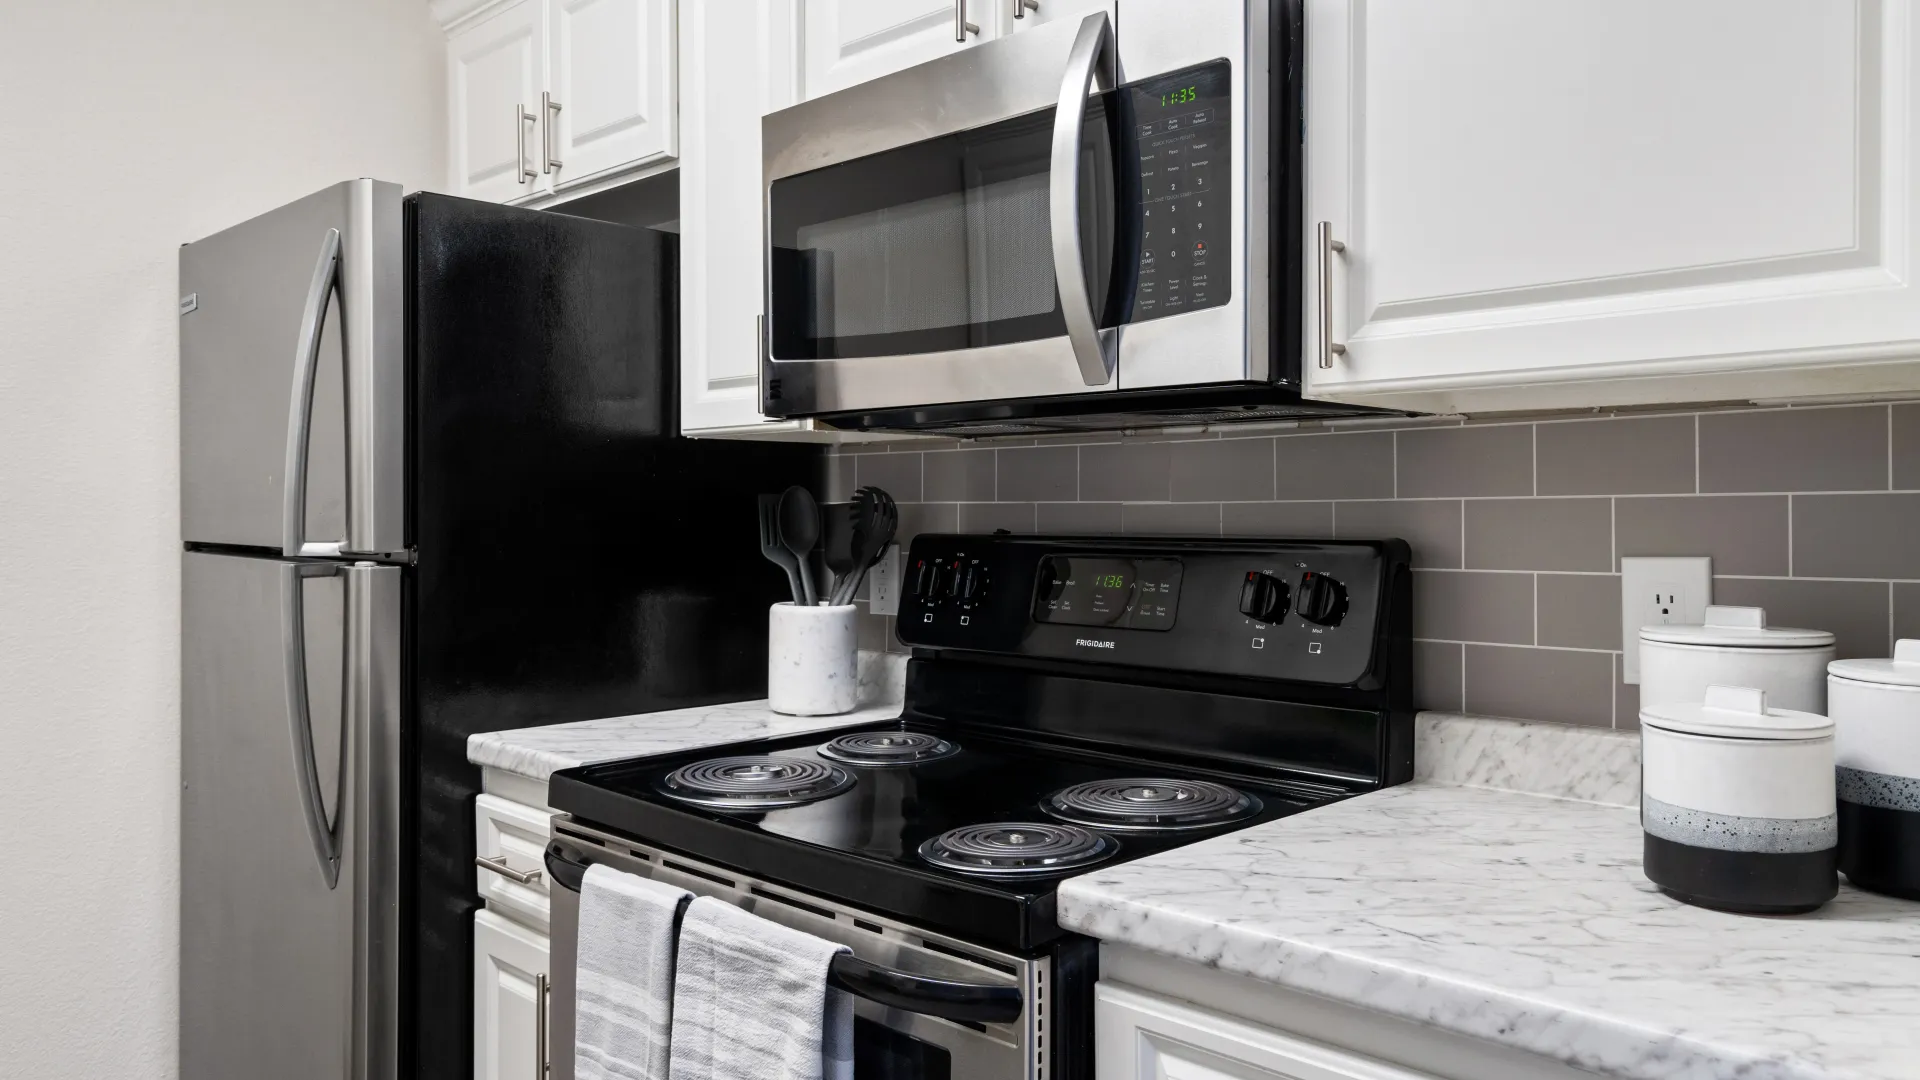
[510,991]
[1146,1037]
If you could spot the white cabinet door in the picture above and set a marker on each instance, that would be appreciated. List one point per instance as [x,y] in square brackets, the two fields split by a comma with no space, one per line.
[509,999]
[1049,11]
[1610,203]
[731,75]
[512,837]
[1144,1037]
[847,42]
[495,72]
[612,103]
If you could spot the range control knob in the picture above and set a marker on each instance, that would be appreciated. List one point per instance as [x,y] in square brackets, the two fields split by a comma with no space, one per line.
[1320,599]
[1263,598]
[973,585]
[924,573]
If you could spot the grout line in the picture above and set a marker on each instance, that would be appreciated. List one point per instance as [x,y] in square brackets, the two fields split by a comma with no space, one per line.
[1536,609]
[1613,712]
[1533,439]
[1696,453]
[1889,448]
[1789,535]
[1613,533]
[1893,636]
[1463,678]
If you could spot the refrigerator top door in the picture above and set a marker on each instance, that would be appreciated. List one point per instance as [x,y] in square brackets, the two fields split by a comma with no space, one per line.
[292,346]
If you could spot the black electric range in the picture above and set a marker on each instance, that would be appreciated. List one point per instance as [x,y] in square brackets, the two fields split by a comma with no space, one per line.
[1072,703]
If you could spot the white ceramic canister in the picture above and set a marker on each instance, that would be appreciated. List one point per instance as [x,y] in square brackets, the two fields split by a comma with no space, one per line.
[1737,802]
[813,659]
[1735,647]
[1875,706]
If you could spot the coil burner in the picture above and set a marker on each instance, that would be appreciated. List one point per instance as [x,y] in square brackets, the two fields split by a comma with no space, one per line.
[759,782]
[1154,805]
[1017,848]
[888,748]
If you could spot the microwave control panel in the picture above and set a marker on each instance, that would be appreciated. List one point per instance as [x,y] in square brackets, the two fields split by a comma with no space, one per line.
[1181,180]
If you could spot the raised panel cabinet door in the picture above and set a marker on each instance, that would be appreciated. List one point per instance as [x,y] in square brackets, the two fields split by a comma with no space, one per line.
[847,42]
[496,70]
[612,104]
[510,970]
[1141,1036]
[1610,203]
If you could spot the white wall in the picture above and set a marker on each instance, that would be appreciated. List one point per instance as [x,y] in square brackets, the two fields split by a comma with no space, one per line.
[126,128]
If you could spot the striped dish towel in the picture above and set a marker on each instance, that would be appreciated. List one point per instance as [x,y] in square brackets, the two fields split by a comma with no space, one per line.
[623,994]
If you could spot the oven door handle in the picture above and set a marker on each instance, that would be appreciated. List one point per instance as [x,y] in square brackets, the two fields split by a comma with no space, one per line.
[979,1003]
[1093,348]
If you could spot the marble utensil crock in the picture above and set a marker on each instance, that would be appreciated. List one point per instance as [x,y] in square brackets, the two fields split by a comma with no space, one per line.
[1737,802]
[1875,707]
[812,659]
[1735,647]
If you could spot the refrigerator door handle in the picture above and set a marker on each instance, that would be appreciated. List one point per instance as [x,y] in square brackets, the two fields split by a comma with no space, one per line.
[306,365]
[306,770]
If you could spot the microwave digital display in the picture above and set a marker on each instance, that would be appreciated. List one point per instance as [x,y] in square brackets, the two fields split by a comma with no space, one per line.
[1180,181]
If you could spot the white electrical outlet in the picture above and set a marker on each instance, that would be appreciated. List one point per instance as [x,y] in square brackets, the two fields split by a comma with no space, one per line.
[883,583]
[1656,592]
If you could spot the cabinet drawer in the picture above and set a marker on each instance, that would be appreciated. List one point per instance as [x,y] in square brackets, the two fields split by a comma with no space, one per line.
[513,835]
[1142,1036]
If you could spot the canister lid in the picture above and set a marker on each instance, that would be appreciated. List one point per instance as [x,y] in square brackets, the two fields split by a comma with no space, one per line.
[1736,712]
[1902,670]
[1742,627]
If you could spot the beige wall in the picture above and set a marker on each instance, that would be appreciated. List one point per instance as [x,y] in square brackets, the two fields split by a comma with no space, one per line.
[129,127]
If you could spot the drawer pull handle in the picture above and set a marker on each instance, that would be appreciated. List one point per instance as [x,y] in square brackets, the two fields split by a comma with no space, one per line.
[498,864]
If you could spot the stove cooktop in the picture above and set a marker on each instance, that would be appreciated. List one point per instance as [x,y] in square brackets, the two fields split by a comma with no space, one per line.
[971,838]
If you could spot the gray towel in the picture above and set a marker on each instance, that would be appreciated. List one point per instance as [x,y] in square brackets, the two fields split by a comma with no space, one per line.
[623,993]
[751,1001]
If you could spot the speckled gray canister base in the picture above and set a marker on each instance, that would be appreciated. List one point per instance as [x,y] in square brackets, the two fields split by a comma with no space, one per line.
[1725,832]
[1877,789]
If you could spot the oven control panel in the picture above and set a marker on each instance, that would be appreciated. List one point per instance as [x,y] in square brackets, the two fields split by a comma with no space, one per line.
[1308,611]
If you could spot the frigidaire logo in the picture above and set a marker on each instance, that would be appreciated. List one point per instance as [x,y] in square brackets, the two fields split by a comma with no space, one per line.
[1089,643]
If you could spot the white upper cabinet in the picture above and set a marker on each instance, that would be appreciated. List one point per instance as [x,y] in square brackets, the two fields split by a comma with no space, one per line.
[496,69]
[846,42]
[1570,205]
[552,96]
[613,98]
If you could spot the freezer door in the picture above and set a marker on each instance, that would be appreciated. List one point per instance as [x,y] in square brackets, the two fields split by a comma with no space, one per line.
[292,376]
[289,819]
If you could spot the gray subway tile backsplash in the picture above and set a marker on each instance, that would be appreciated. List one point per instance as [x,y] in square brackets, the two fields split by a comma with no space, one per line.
[1307,520]
[1540,534]
[1480,461]
[1358,466]
[1223,470]
[1743,534]
[1795,450]
[1579,611]
[1530,626]
[1639,455]
[1540,684]
[1868,536]
[1462,605]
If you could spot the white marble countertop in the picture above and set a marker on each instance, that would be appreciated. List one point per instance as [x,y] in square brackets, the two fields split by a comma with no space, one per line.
[1526,921]
[537,752]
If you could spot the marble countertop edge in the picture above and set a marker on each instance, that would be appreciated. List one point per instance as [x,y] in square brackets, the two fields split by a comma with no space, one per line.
[1518,1021]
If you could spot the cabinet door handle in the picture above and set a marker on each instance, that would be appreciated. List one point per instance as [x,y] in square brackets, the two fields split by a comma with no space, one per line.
[1021,7]
[961,27]
[542,991]
[1329,348]
[520,118]
[550,109]
[498,864]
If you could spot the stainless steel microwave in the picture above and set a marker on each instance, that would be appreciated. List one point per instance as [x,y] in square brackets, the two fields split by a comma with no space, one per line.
[1090,224]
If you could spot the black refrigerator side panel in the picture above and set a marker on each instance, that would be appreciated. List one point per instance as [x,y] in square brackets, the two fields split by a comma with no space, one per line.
[575,559]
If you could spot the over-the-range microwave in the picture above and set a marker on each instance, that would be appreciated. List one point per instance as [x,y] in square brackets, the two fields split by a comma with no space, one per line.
[977,246]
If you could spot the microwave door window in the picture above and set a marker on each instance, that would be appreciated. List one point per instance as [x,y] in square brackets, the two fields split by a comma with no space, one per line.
[941,245]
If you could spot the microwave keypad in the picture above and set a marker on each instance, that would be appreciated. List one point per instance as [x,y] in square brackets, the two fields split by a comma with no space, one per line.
[1182,187]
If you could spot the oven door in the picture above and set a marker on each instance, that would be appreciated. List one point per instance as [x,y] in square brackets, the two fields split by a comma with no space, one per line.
[925,1007]
[947,233]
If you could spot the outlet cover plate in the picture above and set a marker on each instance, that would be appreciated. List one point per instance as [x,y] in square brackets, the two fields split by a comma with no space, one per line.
[883,583]
[1660,590]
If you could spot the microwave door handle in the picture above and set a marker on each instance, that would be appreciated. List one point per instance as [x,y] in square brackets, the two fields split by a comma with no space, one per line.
[306,364]
[978,1003]
[1092,347]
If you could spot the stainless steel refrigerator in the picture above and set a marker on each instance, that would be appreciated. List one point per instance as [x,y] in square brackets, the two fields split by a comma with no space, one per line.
[430,486]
